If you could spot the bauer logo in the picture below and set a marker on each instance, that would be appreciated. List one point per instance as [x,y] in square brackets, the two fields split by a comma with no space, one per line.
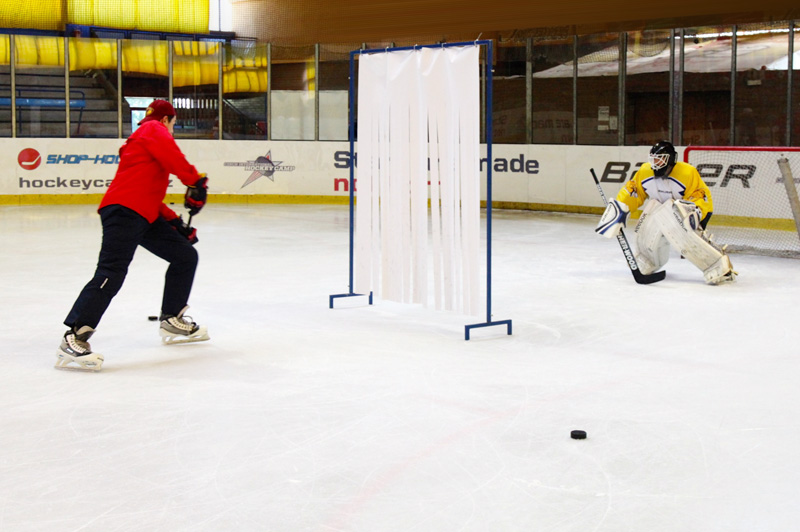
[29,159]
[262,166]
[713,174]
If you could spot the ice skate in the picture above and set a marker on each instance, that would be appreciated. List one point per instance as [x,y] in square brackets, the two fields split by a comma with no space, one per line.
[181,329]
[75,353]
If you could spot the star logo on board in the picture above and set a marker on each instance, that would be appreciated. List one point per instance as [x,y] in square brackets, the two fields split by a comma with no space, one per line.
[262,166]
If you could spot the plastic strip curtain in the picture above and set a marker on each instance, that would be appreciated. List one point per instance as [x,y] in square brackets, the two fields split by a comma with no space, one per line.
[418,124]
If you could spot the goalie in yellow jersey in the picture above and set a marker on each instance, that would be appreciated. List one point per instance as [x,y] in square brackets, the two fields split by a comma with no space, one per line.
[676,206]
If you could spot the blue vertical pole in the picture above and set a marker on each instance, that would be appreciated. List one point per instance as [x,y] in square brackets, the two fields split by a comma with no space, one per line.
[489,80]
[488,122]
[351,137]
[351,134]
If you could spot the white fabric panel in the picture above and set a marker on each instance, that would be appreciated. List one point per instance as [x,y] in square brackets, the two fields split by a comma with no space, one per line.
[372,73]
[431,64]
[447,132]
[464,75]
[402,73]
[433,71]
[387,247]
[418,125]
[418,170]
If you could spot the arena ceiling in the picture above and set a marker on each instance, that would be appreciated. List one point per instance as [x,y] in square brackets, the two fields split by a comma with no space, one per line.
[355,21]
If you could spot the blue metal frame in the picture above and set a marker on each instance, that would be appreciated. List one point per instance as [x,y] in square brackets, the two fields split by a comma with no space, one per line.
[488,128]
[351,138]
[489,139]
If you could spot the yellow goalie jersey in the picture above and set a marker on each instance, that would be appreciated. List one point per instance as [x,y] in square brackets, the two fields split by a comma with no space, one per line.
[683,182]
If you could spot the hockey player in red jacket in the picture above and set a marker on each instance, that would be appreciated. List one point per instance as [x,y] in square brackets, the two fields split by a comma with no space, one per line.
[133,214]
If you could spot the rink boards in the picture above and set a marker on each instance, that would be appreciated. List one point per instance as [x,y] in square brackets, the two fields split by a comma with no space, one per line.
[546,177]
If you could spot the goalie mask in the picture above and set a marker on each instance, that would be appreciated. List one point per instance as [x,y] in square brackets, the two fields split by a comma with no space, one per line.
[662,158]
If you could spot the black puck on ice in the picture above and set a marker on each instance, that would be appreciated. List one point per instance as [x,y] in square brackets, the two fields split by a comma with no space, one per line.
[578,434]
[152,318]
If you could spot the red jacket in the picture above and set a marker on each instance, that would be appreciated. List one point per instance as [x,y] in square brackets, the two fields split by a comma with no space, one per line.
[146,160]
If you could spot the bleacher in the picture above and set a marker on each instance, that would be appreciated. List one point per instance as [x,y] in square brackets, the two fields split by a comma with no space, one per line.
[41,104]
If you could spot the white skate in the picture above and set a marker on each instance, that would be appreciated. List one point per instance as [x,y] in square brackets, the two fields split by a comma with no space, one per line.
[75,353]
[181,330]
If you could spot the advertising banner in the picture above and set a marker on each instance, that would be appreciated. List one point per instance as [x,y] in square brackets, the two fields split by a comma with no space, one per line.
[523,176]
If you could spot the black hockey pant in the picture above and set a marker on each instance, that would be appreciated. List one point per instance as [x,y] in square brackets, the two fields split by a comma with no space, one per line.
[123,231]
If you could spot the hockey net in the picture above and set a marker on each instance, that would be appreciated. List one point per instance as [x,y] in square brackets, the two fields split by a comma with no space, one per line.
[754,190]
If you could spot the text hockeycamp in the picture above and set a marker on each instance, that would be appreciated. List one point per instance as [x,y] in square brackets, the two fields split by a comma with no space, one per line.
[60,182]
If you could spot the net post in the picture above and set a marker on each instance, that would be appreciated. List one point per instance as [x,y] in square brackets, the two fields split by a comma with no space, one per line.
[791,190]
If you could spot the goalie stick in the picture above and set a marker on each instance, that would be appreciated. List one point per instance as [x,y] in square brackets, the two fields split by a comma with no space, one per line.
[640,277]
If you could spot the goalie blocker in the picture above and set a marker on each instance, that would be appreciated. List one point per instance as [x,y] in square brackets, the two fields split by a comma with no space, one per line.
[677,223]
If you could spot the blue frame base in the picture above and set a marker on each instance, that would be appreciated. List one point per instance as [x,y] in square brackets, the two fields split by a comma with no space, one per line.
[337,296]
[468,328]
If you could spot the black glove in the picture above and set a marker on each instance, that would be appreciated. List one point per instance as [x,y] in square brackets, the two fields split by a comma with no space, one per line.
[184,229]
[195,197]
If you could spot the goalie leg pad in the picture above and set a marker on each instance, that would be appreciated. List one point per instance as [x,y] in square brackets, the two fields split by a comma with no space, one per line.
[693,244]
[720,272]
[652,248]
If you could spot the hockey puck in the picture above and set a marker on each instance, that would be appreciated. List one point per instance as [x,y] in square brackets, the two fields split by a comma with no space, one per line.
[578,434]
[152,318]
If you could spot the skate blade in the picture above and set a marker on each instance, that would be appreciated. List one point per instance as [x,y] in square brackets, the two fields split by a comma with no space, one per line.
[183,340]
[69,364]
[173,339]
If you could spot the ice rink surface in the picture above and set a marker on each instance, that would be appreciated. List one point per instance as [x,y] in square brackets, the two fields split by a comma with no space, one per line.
[295,417]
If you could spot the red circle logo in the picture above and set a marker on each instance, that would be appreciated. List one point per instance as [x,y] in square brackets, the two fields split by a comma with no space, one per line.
[29,159]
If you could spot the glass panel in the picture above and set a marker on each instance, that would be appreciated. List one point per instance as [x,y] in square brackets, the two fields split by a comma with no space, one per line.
[647,87]
[5,86]
[40,86]
[761,70]
[195,88]
[552,91]
[707,86]
[145,77]
[598,79]
[510,94]
[244,87]
[334,84]
[293,80]
[93,87]
[795,140]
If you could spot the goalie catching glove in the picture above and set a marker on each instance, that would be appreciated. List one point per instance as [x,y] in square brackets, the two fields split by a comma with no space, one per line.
[196,195]
[614,219]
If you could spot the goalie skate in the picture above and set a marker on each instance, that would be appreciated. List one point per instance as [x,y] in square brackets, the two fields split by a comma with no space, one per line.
[181,329]
[75,353]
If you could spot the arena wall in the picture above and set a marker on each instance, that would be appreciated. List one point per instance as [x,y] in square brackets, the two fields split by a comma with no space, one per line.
[543,177]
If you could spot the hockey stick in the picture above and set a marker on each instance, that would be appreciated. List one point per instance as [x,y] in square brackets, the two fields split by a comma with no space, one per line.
[640,277]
